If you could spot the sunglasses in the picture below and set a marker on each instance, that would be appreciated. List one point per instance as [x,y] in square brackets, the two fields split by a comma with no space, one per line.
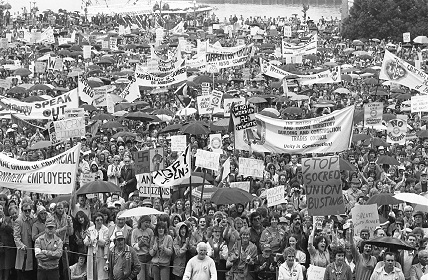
[27,210]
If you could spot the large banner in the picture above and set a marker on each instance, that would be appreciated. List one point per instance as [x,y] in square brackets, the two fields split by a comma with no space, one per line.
[149,80]
[272,71]
[165,63]
[86,93]
[47,109]
[322,179]
[175,173]
[308,48]
[399,71]
[326,134]
[225,60]
[330,76]
[55,175]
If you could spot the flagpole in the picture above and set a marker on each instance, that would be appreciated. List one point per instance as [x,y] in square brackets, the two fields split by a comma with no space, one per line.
[190,185]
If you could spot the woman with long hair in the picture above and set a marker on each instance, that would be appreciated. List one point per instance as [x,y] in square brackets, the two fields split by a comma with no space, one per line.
[291,241]
[181,250]
[242,257]
[338,270]
[318,251]
[80,225]
[161,249]
[113,171]
[7,255]
[272,235]
[141,238]
[219,251]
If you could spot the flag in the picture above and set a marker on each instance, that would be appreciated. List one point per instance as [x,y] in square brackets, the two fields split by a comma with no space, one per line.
[181,90]
[131,92]
[176,172]
[226,169]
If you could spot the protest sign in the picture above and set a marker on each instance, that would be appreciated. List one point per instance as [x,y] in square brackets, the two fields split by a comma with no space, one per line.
[56,175]
[86,178]
[178,143]
[208,160]
[69,128]
[39,67]
[176,172]
[228,103]
[204,103]
[156,159]
[113,43]
[287,30]
[241,185]
[216,97]
[216,143]
[365,217]
[74,113]
[142,162]
[406,37]
[5,83]
[396,131]
[397,70]
[205,88]
[275,196]
[251,167]
[87,52]
[325,134]
[146,79]
[243,116]
[316,272]
[419,104]
[47,109]
[318,220]
[104,44]
[147,189]
[373,113]
[322,178]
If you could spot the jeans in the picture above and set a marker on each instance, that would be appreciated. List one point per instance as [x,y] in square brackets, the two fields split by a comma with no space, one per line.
[144,272]
[48,274]
[161,272]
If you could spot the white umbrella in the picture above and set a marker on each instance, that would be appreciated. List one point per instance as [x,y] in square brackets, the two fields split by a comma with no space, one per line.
[140,211]
[421,40]
[412,198]
[186,112]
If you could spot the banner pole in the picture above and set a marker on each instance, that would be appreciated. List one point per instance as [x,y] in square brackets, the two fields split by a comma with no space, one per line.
[190,185]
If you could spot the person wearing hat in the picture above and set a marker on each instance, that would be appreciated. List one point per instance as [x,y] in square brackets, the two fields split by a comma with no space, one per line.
[122,261]
[48,252]
[419,220]
[353,193]
[265,263]
[39,225]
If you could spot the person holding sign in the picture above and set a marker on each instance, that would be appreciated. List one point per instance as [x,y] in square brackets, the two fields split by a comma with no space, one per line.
[338,270]
[365,262]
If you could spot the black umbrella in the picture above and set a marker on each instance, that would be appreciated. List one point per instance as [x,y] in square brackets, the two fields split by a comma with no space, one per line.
[98,187]
[392,243]
[139,116]
[383,199]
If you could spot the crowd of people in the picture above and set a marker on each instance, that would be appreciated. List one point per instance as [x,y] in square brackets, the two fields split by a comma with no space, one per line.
[54,237]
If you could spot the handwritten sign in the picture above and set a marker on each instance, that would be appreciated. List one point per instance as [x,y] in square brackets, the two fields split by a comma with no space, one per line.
[204,104]
[146,188]
[419,104]
[316,272]
[373,112]
[178,143]
[396,131]
[275,196]
[216,97]
[251,167]
[241,185]
[74,113]
[365,217]
[323,186]
[175,173]
[86,178]
[142,162]
[69,128]
[208,160]
[244,116]
[228,103]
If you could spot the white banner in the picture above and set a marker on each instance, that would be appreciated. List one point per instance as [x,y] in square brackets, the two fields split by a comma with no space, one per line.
[176,172]
[208,160]
[396,131]
[225,60]
[69,128]
[326,134]
[55,175]
[419,103]
[198,62]
[149,80]
[308,48]
[399,71]
[330,76]
[86,93]
[373,113]
[46,109]
[275,196]
[272,71]
[251,167]
[131,92]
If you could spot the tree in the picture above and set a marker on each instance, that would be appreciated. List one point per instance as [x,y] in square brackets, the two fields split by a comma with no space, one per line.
[386,19]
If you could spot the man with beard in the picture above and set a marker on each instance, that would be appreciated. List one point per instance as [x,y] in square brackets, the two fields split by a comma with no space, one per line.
[256,229]
[296,229]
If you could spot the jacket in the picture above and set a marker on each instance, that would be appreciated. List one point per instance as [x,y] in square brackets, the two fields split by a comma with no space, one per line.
[161,256]
[22,235]
[128,259]
[180,252]
[128,175]
[378,274]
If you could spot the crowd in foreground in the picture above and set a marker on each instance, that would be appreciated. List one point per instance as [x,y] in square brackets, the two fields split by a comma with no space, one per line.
[44,238]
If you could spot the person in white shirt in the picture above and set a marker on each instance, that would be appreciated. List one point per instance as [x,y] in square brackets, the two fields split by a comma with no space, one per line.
[201,267]
[290,269]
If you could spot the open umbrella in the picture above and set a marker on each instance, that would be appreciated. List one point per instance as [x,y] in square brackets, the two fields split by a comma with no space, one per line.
[387,160]
[392,243]
[22,72]
[360,137]
[226,196]
[88,107]
[98,187]
[124,134]
[140,116]
[171,128]
[205,175]
[256,99]
[412,198]
[346,165]
[293,110]
[196,181]
[39,87]
[17,90]
[59,198]
[103,117]
[421,40]
[112,124]
[195,128]
[33,98]
[383,199]
[140,211]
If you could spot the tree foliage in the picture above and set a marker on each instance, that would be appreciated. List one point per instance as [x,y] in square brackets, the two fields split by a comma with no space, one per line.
[386,19]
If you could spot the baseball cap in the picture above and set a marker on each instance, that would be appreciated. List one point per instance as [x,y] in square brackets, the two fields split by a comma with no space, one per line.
[119,235]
